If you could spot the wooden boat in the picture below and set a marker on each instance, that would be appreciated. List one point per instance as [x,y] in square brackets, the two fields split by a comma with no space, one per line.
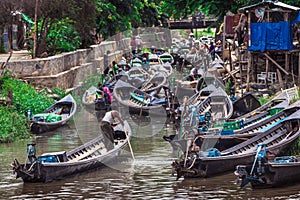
[217,106]
[227,134]
[188,88]
[136,62]
[58,165]
[155,83]
[166,57]
[113,80]
[185,89]
[137,76]
[211,162]
[138,72]
[55,116]
[233,133]
[153,59]
[168,69]
[267,171]
[163,68]
[93,101]
[244,105]
[282,97]
[123,66]
[138,101]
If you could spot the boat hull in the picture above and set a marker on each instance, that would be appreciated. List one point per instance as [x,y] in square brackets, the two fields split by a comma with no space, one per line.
[47,172]
[40,125]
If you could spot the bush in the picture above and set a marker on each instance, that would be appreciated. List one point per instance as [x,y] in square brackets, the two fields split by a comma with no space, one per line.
[13,122]
[13,125]
[25,96]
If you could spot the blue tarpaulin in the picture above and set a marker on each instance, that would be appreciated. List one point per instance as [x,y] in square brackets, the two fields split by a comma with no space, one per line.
[271,36]
[297,19]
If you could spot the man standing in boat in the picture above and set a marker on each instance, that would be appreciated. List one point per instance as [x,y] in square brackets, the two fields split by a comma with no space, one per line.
[107,124]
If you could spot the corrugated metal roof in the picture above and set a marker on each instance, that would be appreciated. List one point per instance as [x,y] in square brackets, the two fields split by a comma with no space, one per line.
[272,3]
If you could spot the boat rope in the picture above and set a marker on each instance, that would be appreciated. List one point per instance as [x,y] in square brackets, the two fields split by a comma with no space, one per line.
[31,166]
[192,163]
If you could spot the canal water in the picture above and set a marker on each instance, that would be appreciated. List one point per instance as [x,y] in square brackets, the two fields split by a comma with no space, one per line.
[146,177]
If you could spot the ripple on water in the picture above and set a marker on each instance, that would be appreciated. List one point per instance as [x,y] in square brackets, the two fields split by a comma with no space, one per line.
[148,177]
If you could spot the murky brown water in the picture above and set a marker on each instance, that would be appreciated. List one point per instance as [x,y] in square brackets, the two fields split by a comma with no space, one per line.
[148,177]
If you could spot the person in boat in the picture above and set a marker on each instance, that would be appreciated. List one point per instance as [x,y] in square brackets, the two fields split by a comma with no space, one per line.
[108,97]
[107,123]
[145,62]
[194,73]
[212,50]
[114,69]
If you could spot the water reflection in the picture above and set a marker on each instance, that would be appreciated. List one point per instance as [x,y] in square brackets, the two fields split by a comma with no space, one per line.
[148,177]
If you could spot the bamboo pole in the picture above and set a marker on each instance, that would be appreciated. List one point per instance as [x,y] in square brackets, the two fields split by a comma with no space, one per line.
[129,144]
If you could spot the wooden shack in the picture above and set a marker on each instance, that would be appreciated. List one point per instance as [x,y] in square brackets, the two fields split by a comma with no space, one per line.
[273,54]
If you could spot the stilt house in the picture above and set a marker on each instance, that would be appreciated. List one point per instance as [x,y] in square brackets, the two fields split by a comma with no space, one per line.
[273,51]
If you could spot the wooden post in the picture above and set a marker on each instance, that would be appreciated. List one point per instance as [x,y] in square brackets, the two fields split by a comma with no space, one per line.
[292,68]
[35,30]
[299,68]
[249,53]
[230,59]
[280,78]
[240,68]
[275,63]
[287,62]
[224,39]
[267,71]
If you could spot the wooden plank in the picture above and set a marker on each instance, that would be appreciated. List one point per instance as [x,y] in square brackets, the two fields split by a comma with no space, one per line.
[280,78]
[273,61]
[87,152]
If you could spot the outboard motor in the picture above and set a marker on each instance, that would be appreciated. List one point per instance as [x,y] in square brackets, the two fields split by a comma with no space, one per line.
[204,121]
[31,152]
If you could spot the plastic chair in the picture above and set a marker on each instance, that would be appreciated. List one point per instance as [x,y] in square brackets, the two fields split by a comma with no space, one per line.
[261,78]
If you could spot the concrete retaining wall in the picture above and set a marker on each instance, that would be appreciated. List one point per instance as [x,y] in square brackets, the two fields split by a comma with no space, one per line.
[68,70]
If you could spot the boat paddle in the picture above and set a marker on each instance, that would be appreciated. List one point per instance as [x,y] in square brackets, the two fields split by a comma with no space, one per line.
[129,144]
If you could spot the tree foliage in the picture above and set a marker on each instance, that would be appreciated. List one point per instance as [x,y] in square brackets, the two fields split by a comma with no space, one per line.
[182,8]
[82,12]
[112,16]
[63,37]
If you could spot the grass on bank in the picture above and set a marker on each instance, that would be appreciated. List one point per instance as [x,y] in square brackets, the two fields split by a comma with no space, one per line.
[14,124]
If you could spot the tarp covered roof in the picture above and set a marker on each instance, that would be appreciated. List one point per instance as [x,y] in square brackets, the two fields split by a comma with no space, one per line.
[273,4]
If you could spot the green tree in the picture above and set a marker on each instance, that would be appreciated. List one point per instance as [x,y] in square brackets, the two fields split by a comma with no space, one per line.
[62,37]
[115,16]
[183,8]
[81,11]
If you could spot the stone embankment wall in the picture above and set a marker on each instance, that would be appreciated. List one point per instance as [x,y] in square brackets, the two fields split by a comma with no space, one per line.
[68,70]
